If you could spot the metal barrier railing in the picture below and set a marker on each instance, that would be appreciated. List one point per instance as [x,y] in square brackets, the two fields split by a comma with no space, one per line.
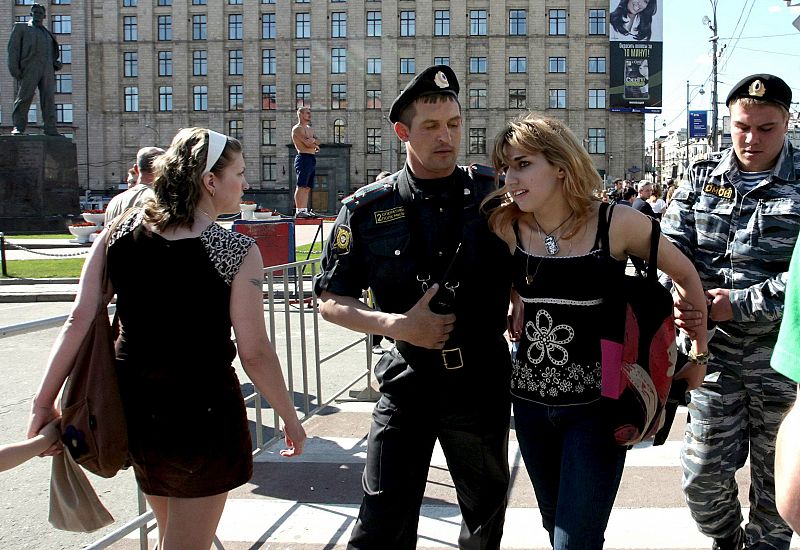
[286,285]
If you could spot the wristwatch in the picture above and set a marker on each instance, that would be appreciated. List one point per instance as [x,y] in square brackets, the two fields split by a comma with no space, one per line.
[699,358]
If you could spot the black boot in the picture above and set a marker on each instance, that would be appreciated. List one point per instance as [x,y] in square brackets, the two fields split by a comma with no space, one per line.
[731,542]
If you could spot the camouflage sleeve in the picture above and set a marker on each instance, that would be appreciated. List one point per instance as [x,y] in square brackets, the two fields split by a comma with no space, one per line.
[677,223]
[342,270]
[760,303]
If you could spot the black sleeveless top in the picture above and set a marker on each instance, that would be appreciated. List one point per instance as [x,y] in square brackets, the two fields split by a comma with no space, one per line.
[559,357]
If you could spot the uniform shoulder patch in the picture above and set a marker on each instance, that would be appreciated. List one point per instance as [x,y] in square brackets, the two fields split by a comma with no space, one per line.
[342,240]
[369,193]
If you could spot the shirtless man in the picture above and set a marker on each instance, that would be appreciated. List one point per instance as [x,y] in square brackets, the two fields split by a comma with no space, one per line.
[305,161]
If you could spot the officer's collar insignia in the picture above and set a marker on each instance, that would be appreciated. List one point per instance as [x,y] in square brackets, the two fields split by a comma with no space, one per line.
[756,89]
[343,240]
[467,191]
[441,80]
[393,214]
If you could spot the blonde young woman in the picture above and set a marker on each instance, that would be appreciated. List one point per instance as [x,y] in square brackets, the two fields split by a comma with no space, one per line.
[554,225]
[182,282]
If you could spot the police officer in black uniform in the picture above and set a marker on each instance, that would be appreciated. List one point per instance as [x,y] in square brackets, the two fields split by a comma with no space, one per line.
[441,280]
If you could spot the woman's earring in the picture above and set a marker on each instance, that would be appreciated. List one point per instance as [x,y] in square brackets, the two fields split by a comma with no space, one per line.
[213,191]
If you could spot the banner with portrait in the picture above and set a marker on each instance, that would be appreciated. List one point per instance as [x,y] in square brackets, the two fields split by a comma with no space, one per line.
[636,30]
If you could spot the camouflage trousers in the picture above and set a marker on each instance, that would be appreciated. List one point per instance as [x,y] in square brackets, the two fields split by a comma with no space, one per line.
[737,410]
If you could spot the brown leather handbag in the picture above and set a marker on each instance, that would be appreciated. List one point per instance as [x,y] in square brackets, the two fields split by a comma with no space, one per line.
[93,426]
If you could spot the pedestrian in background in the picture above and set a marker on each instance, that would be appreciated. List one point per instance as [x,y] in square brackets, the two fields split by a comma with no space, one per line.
[558,232]
[737,220]
[187,453]
[142,188]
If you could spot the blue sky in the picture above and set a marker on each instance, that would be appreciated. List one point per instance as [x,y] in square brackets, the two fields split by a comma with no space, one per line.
[757,37]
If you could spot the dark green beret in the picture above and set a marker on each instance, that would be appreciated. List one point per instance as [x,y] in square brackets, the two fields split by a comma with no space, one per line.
[439,79]
[766,87]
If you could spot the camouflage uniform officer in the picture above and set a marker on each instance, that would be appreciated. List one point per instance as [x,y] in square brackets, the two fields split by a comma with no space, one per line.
[738,220]
[442,282]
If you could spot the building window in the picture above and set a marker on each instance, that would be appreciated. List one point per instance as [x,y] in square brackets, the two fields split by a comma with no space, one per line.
[302,25]
[477,65]
[268,25]
[267,1]
[597,99]
[441,23]
[236,128]
[268,130]
[61,2]
[130,29]
[235,26]
[441,61]
[408,65]
[165,98]
[131,99]
[338,96]
[597,65]
[373,65]
[268,61]
[558,99]
[199,2]
[338,131]
[477,98]
[517,98]
[339,24]
[235,97]
[63,113]
[517,64]
[303,60]
[557,65]
[65,53]
[130,64]
[235,62]
[408,23]
[165,63]
[125,3]
[558,22]
[165,27]
[374,23]
[199,63]
[373,141]
[268,102]
[62,24]
[302,95]
[63,83]
[374,99]
[268,167]
[199,27]
[477,22]
[164,2]
[597,141]
[517,22]
[200,98]
[477,141]
[597,21]
[338,61]
[234,2]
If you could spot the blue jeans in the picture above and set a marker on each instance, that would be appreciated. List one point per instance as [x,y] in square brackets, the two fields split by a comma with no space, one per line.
[575,466]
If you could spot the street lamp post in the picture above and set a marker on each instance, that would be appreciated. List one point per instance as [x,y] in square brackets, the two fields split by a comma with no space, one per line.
[712,24]
[157,133]
[688,118]
[655,170]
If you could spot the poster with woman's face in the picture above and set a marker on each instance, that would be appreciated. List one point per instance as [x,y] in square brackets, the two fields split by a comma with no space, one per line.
[636,20]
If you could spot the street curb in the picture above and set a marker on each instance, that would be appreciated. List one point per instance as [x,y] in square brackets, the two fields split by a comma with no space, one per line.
[48,281]
[26,298]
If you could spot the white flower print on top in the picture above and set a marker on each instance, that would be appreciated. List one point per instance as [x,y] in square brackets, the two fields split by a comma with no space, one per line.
[548,339]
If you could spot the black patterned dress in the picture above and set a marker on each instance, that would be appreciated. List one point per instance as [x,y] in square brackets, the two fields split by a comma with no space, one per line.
[187,427]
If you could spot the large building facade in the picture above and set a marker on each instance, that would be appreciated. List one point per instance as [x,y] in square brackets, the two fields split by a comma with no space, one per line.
[138,70]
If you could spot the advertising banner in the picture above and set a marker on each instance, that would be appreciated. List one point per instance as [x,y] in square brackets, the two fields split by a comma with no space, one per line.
[635,55]
[698,124]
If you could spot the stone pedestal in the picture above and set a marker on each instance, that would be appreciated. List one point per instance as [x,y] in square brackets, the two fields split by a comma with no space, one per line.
[38,183]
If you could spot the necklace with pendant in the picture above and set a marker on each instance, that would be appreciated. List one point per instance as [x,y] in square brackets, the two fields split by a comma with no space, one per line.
[550,241]
[213,220]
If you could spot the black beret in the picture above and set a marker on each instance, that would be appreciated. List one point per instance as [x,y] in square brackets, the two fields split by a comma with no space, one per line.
[439,79]
[766,87]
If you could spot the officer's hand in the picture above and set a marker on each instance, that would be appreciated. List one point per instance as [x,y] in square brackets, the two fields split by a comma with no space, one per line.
[687,318]
[719,308]
[424,328]
[514,321]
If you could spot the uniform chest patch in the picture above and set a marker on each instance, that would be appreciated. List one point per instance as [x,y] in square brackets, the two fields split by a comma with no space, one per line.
[722,192]
[343,240]
[393,214]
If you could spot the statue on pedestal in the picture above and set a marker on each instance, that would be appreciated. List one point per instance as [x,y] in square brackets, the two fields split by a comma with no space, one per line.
[33,58]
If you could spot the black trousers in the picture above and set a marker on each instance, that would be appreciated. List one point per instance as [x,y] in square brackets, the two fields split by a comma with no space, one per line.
[400,446]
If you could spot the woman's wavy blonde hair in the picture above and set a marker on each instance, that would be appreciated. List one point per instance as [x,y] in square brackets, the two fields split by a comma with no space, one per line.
[534,133]
[178,179]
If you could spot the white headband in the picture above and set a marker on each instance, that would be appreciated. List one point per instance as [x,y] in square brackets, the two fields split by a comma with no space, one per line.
[216,144]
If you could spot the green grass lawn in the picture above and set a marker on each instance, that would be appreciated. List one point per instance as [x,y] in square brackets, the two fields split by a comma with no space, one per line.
[47,236]
[71,267]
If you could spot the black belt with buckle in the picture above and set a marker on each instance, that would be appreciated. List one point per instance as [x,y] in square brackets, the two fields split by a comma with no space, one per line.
[452,358]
